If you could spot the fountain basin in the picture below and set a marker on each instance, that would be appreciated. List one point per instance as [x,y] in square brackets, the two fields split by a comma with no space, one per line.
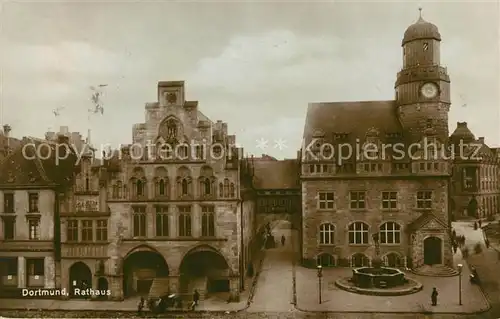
[383,277]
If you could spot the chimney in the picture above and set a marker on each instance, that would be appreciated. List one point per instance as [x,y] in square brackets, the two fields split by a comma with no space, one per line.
[64,130]
[6,130]
[481,140]
[462,124]
[62,139]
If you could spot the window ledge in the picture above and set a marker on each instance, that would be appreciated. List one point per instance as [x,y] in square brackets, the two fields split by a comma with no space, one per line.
[326,209]
[326,245]
[359,210]
[359,245]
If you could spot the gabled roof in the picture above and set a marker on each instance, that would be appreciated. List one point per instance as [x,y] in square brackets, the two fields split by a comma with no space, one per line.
[425,219]
[41,168]
[354,118]
[276,174]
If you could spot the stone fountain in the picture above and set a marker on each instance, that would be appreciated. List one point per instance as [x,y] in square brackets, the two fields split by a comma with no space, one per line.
[377,276]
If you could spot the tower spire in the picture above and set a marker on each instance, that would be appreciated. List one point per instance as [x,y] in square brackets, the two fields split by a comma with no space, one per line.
[419,13]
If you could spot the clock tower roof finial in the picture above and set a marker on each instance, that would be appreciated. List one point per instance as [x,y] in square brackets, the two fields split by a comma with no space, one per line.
[421,30]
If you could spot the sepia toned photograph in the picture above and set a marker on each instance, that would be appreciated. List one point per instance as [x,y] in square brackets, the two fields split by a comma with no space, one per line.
[250,159]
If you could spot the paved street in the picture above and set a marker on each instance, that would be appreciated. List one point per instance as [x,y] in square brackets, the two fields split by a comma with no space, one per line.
[274,291]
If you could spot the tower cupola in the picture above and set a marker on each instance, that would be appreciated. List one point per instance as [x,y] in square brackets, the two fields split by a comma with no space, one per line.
[421,30]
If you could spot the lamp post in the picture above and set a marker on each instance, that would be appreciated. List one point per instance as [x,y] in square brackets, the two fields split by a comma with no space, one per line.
[320,274]
[460,284]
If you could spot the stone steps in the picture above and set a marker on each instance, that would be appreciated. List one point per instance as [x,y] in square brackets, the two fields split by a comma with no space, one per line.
[435,271]
[159,287]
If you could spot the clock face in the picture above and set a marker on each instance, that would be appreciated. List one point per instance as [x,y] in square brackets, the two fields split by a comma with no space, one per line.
[429,90]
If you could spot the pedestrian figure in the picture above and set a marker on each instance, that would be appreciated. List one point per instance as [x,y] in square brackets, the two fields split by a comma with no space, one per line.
[140,306]
[282,240]
[455,248]
[434,296]
[487,243]
[454,234]
[475,225]
[196,297]
[479,223]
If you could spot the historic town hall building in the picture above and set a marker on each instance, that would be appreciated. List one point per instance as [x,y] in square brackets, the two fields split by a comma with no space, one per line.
[401,199]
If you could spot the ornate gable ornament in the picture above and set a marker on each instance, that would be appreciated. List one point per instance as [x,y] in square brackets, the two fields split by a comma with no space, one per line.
[372,132]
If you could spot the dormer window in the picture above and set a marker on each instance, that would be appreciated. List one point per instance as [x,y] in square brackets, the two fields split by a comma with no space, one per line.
[426,46]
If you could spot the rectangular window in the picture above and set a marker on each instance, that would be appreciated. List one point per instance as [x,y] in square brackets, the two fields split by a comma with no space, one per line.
[34,229]
[87,230]
[33,202]
[139,221]
[11,266]
[424,200]
[8,203]
[184,221]
[357,200]
[9,226]
[162,224]
[35,266]
[207,221]
[325,200]
[389,200]
[101,230]
[72,230]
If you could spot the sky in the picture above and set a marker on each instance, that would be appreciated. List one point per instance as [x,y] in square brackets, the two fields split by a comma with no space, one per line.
[254,65]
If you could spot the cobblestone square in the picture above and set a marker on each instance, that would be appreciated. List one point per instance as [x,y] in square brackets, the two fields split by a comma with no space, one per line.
[334,299]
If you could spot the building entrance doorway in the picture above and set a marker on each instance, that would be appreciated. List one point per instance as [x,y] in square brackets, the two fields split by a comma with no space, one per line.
[432,251]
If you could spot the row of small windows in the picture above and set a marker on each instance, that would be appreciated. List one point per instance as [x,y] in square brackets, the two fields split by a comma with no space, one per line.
[184,222]
[357,200]
[9,228]
[9,203]
[86,230]
[184,187]
[373,167]
[389,233]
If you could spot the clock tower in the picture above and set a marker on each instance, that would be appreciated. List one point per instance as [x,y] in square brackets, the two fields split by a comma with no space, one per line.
[423,86]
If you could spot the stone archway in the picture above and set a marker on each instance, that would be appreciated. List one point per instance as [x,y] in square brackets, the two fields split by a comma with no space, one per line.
[433,252]
[359,260]
[206,270]
[80,278]
[393,260]
[144,270]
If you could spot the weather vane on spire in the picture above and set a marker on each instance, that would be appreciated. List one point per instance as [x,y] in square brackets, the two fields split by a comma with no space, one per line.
[420,12]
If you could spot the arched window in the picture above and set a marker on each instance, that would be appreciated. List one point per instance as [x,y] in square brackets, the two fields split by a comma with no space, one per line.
[390,233]
[205,186]
[139,188]
[226,188]
[325,260]
[221,190]
[231,191]
[115,191]
[327,234]
[182,152]
[161,187]
[184,187]
[359,260]
[87,184]
[119,188]
[358,233]
[392,260]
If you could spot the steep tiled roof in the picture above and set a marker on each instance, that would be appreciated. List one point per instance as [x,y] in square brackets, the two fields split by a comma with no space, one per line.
[462,132]
[25,167]
[354,118]
[276,174]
